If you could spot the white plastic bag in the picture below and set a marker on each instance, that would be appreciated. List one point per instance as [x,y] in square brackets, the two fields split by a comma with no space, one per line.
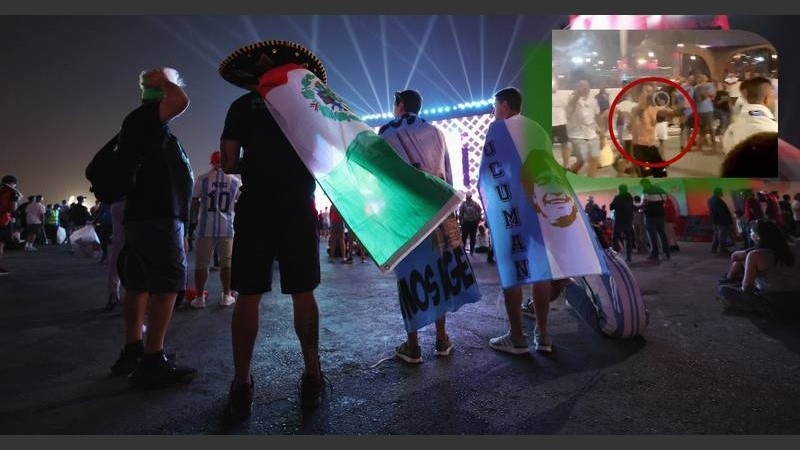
[85,241]
[61,235]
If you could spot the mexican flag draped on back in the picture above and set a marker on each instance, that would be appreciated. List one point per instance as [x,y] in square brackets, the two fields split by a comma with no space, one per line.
[389,205]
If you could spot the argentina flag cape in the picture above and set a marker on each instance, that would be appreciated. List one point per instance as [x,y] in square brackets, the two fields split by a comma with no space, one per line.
[611,304]
[539,230]
[437,276]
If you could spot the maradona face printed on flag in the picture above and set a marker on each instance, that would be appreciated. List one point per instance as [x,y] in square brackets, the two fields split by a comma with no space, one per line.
[538,231]
[551,199]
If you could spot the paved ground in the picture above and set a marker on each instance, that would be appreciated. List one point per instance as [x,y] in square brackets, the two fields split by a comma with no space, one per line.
[698,370]
[694,164]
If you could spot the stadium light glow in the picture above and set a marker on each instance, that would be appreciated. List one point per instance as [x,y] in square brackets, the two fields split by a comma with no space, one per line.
[476,105]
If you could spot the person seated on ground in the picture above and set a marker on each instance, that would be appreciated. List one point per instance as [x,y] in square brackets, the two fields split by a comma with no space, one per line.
[751,267]
[482,241]
[754,157]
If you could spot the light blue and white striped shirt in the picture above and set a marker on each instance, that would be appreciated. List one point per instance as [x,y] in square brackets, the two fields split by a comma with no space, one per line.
[217,193]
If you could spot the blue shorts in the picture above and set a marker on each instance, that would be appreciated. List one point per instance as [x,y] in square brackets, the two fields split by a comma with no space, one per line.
[154,259]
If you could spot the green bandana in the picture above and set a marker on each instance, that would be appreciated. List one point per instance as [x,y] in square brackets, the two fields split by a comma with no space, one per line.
[152,93]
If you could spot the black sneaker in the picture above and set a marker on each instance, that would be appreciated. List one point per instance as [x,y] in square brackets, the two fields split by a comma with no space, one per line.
[311,390]
[128,360]
[157,371]
[240,400]
[3,271]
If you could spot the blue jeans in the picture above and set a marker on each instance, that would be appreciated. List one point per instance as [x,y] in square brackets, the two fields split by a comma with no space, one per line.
[655,229]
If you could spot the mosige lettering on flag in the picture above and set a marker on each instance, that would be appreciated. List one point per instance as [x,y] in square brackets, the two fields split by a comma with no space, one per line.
[435,278]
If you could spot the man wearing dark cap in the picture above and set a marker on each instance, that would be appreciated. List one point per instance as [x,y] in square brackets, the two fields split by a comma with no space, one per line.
[9,196]
[410,99]
[423,146]
[78,213]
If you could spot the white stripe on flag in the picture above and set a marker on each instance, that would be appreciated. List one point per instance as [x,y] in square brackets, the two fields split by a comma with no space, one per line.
[390,206]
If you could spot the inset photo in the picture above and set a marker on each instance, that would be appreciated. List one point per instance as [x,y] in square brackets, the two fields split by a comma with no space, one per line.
[660,103]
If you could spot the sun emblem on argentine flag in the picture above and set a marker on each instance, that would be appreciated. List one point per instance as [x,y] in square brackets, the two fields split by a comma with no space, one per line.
[325,100]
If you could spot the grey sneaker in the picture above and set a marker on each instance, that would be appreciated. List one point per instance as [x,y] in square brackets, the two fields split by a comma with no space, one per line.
[409,354]
[527,309]
[506,343]
[542,342]
[443,348]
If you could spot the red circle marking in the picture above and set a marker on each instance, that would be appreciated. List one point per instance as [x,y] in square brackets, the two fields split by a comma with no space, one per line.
[621,94]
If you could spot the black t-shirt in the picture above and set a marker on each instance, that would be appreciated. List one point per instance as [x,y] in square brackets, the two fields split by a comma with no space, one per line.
[79,214]
[270,165]
[164,179]
[720,213]
[622,205]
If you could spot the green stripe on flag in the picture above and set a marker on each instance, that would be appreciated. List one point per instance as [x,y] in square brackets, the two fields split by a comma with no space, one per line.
[392,205]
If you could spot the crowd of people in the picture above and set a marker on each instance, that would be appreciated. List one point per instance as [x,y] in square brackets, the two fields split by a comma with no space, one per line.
[256,177]
[26,224]
[736,119]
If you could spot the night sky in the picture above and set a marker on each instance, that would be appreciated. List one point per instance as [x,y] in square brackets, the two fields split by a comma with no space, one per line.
[69,81]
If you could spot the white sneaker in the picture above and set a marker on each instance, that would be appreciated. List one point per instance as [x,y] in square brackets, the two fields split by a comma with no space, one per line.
[506,343]
[227,300]
[199,302]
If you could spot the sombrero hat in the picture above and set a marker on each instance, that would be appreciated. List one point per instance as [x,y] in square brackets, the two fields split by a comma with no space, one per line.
[244,66]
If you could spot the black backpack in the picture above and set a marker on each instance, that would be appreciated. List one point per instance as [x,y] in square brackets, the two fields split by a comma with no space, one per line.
[108,176]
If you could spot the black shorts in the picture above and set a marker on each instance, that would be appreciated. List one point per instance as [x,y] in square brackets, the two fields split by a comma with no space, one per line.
[32,228]
[5,233]
[649,153]
[560,134]
[267,228]
[154,257]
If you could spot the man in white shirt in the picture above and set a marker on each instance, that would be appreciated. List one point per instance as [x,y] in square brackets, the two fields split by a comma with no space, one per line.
[757,116]
[622,117]
[215,194]
[583,120]
[34,216]
[732,84]
[560,125]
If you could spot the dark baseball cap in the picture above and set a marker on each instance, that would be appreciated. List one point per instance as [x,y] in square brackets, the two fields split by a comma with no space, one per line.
[411,100]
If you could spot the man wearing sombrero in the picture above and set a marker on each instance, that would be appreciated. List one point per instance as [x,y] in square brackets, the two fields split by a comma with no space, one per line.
[275,219]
